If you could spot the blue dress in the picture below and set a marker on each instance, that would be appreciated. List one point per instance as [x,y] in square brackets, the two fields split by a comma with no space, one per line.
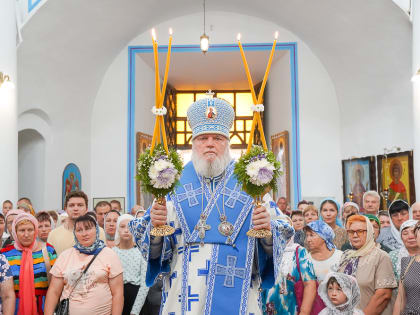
[276,302]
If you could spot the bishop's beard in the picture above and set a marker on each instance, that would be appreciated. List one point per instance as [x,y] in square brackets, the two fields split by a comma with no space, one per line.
[210,169]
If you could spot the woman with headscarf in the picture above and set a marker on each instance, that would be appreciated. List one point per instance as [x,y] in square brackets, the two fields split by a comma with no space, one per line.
[110,227]
[281,299]
[376,224]
[341,295]
[349,208]
[134,267]
[328,212]
[399,212]
[409,249]
[322,251]
[97,291]
[26,207]
[10,216]
[407,302]
[30,263]
[370,265]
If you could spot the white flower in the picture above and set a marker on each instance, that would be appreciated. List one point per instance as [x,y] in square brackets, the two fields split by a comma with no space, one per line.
[261,172]
[162,174]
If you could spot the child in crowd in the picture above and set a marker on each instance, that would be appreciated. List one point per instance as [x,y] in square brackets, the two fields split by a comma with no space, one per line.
[341,295]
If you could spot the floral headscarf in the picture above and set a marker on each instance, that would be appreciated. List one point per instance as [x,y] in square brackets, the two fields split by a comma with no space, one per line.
[338,217]
[93,249]
[324,231]
[350,288]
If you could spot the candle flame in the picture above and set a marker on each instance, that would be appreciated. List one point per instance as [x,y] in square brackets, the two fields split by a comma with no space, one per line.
[238,37]
[276,35]
[170,31]
[153,34]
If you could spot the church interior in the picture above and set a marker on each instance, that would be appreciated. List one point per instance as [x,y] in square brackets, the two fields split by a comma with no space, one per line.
[342,97]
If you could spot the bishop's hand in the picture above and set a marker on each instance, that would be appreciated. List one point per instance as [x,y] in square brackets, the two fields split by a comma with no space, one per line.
[158,214]
[261,218]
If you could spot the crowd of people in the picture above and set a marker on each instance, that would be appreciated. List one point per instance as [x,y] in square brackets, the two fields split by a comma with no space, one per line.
[347,260]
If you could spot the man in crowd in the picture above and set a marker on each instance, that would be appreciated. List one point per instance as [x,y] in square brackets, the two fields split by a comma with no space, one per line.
[282,204]
[415,208]
[116,205]
[371,202]
[102,208]
[7,206]
[209,260]
[62,237]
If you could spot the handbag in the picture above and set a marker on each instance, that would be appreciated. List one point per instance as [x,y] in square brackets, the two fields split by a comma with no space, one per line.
[64,306]
[318,304]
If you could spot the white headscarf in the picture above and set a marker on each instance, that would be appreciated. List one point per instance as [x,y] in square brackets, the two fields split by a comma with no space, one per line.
[117,231]
[403,252]
[395,233]
[350,288]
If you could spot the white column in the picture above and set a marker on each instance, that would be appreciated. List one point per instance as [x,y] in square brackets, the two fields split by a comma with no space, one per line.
[416,94]
[8,104]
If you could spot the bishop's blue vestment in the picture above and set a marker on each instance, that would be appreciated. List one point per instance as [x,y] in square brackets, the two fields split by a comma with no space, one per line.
[208,272]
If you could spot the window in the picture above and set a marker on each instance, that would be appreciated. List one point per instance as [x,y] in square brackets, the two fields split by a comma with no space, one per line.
[241,102]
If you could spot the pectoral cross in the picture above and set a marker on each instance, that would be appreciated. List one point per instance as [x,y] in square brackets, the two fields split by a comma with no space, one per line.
[202,227]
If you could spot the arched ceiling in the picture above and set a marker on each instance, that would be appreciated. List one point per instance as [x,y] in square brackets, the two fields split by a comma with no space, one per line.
[68,45]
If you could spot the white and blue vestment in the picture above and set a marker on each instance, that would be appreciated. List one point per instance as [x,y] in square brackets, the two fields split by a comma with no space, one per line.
[225,275]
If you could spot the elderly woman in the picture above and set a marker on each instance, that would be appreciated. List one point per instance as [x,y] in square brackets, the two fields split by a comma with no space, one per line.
[96,291]
[407,302]
[134,267]
[348,209]
[399,212]
[110,227]
[329,213]
[322,251]
[30,263]
[409,249]
[296,265]
[370,265]
[11,215]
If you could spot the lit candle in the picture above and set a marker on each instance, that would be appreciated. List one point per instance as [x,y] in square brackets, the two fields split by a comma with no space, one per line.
[264,82]
[248,74]
[168,61]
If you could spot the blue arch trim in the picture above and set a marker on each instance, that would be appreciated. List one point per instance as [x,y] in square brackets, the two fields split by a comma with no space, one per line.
[32,5]
[131,133]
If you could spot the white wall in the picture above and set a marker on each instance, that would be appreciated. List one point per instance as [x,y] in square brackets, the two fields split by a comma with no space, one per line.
[112,101]
[32,167]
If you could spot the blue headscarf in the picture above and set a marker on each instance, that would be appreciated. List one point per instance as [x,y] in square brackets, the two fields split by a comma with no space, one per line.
[324,231]
[338,217]
[93,249]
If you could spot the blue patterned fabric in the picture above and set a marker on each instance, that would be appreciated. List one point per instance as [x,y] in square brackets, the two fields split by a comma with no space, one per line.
[210,115]
[274,301]
[324,231]
[227,269]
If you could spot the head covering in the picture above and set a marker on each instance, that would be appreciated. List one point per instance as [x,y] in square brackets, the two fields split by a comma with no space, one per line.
[373,218]
[324,231]
[110,237]
[338,217]
[403,252]
[350,203]
[210,115]
[350,258]
[350,288]
[395,233]
[27,207]
[27,304]
[14,212]
[93,249]
[120,219]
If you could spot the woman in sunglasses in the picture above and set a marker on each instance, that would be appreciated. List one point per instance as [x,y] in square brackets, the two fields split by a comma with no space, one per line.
[370,265]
